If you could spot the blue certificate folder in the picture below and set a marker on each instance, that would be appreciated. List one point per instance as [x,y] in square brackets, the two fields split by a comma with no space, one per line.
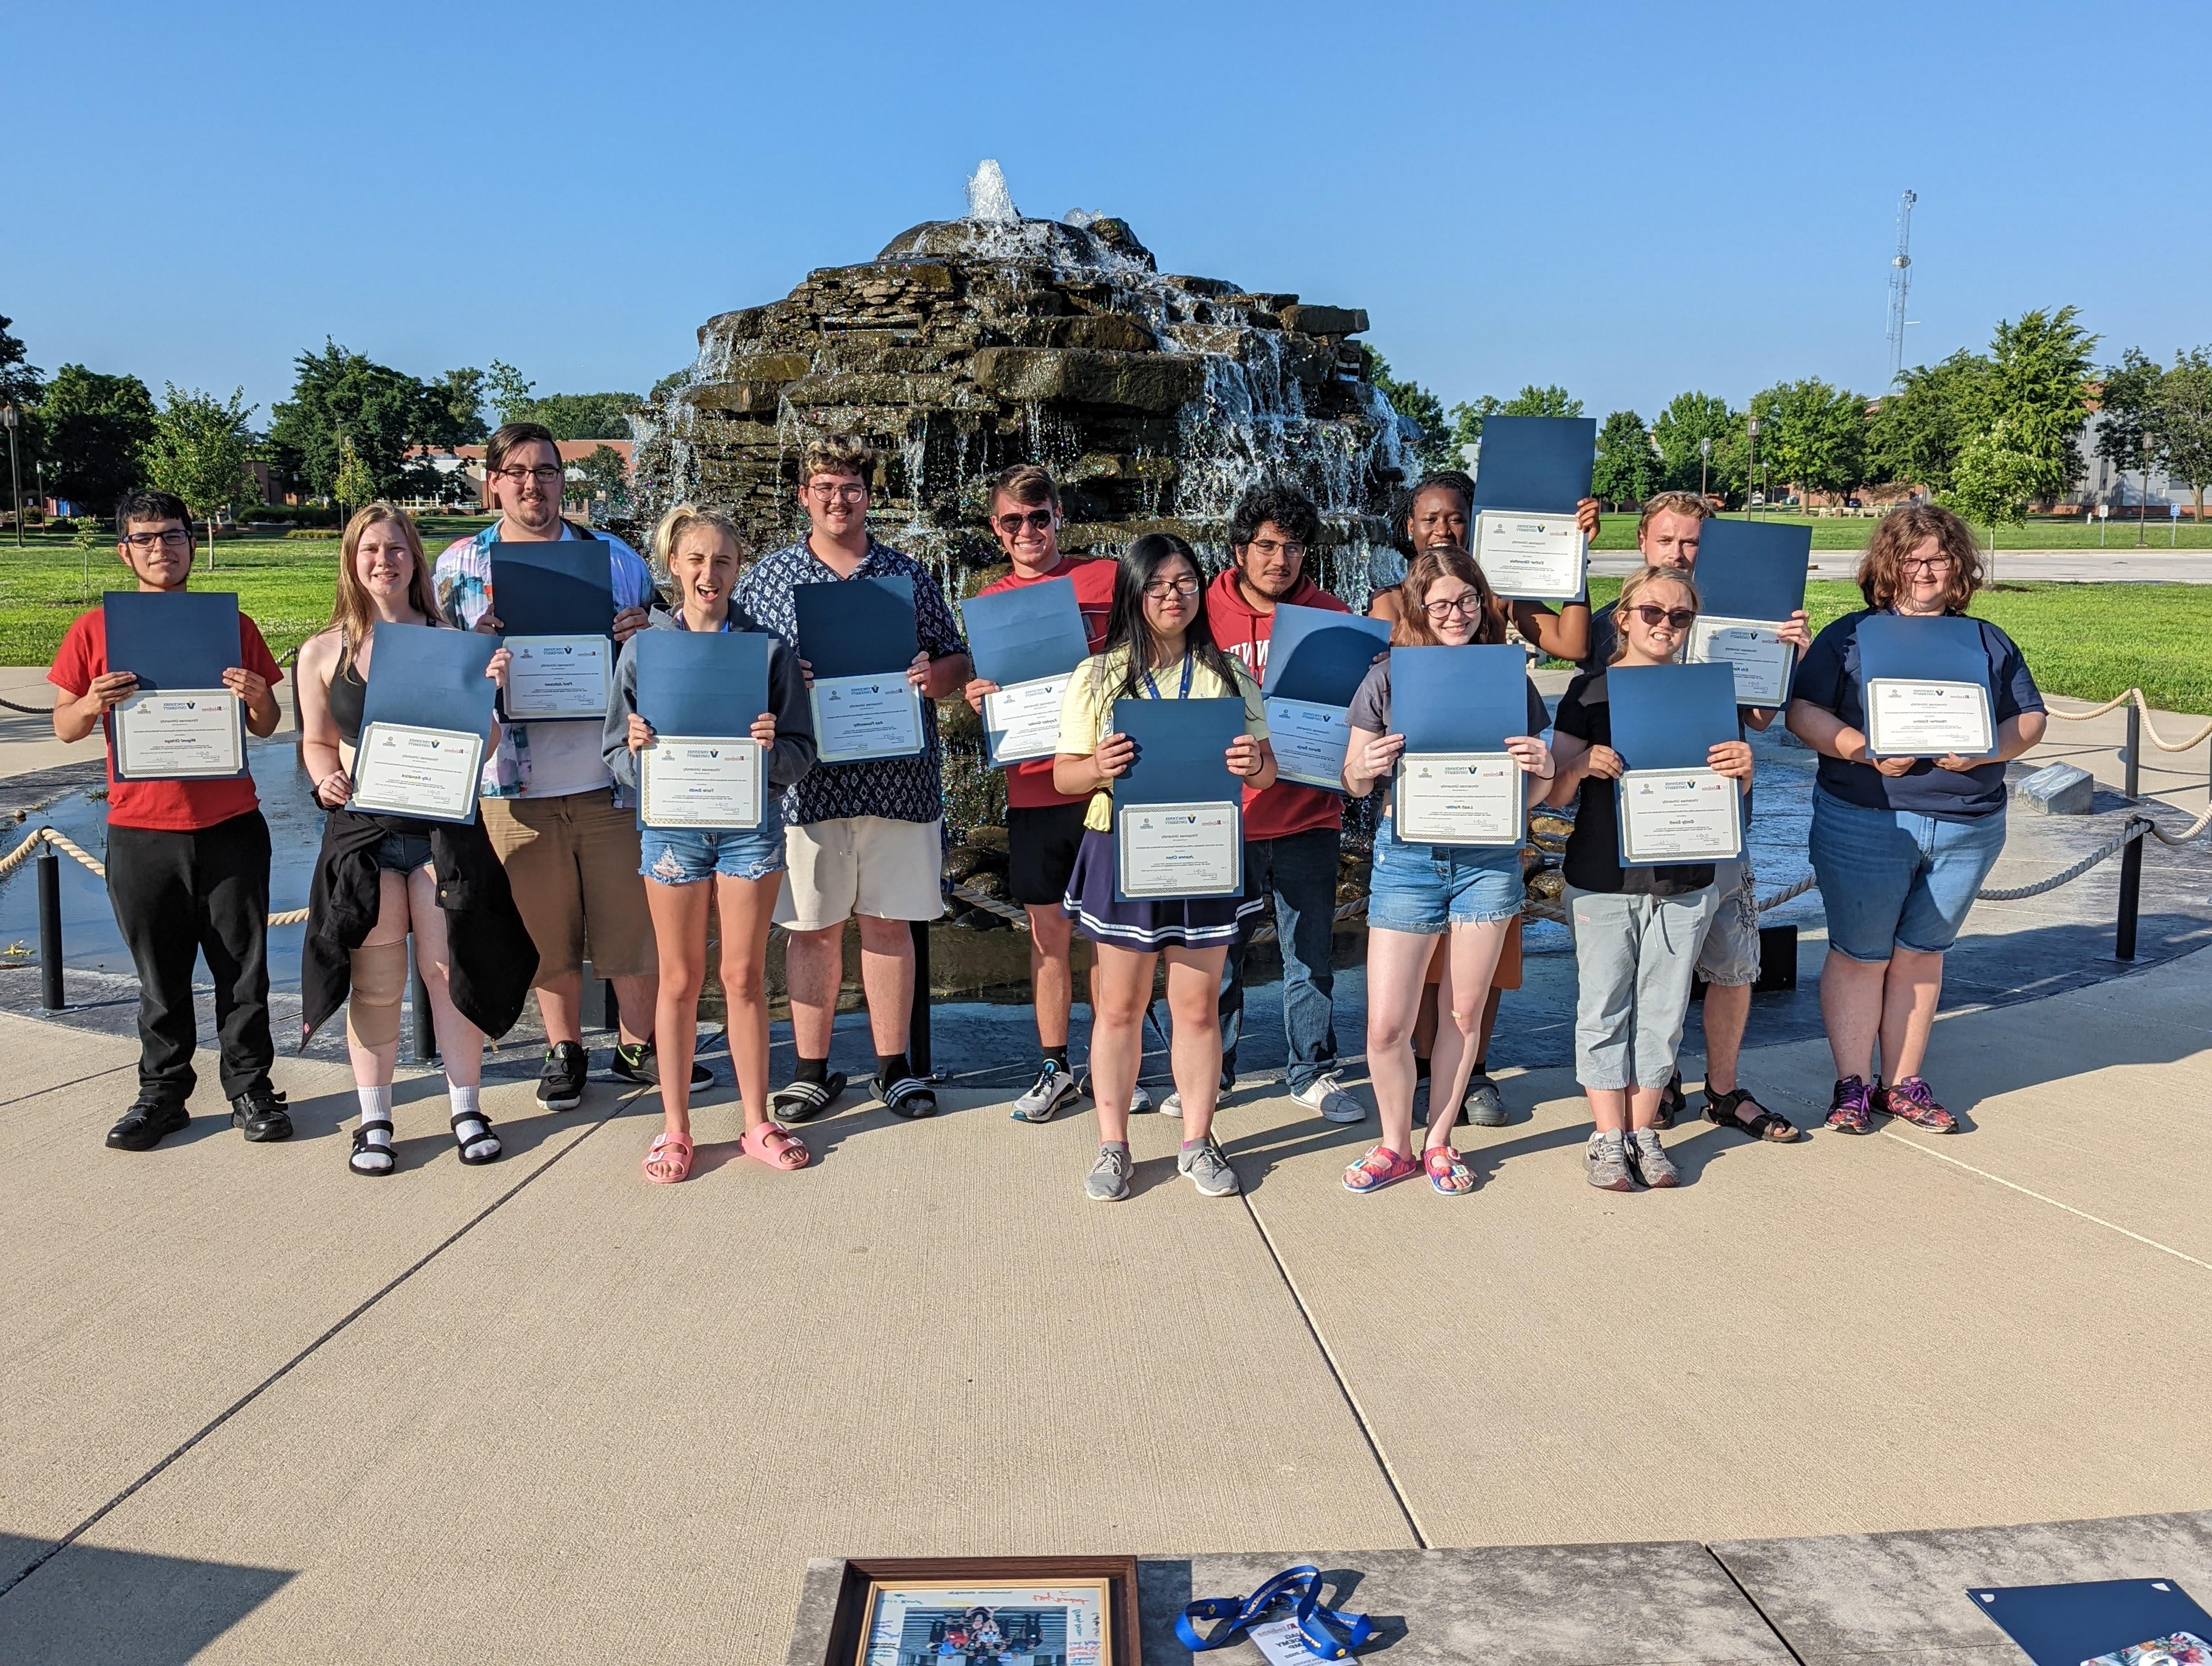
[1535,463]
[1467,699]
[1937,650]
[2068,1625]
[1026,635]
[1668,717]
[1182,749]
[426,677]
[1752,569]
[709,685]
[559,589]
[1321,656]
[857,627]
[173,639]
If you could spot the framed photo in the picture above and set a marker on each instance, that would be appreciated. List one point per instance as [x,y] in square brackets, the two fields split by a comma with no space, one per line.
[987,1611]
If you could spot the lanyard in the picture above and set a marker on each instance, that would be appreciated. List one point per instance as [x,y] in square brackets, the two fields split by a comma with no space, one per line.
[1183,693]
[1300,1588]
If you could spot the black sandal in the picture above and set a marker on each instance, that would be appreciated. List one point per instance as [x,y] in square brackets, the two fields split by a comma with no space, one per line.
[909,1096]
[361,1145]
[802,1101]
[1673,1102]
[497,1149]
[1721,1109]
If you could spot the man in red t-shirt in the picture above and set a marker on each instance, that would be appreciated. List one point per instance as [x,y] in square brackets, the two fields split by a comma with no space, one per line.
[187,861]
[1292,832]
[1044,828]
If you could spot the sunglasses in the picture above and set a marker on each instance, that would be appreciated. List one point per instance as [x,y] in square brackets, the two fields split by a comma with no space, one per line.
[1038,521]
[1682,618]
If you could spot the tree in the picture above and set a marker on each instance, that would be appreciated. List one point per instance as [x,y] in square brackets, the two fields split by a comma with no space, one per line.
[1996,478]
[1530,401]
[2184,423]
[202,450]
[94,429]
[340,397]
[1627,469]
[1421,410]
[1688,419]
[20,379]
[454,410]
[598,416]
[354,485]
[605,477]
[1812,436]
[507,392]
[2127,433]
[1915,434]
[2038,384]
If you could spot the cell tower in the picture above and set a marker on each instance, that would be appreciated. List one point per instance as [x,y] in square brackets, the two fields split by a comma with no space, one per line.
[1900,286]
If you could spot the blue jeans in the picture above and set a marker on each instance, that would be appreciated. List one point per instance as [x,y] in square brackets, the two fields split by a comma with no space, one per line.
[1425,890]
[1896,878]
[1299,874]
[685,855]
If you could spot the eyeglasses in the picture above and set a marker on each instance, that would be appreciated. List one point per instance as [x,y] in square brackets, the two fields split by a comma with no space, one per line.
[1466,607]
[147,542]
[516,474]
[827,491]
[1038,521]
[1929,564]
[1165,588]
[1682,618]
[1268,546]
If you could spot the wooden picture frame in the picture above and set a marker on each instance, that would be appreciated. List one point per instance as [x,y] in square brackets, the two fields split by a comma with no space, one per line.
[864,1575]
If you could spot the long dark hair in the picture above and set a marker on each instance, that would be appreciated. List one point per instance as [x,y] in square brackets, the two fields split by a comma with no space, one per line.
[1127,629]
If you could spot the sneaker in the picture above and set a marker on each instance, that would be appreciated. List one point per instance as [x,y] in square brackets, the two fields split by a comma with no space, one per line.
[1649,1159]
[260,1113]
[1326,1095]
[1912,1100]
[633,1061]
[1140,1103]
[1208,1170]
[1109,1181]
[1172,1105]
[1607,1161]
[1851,1107]
[1053,1088]
[1484,1106]
[561,1082]
[150,1120]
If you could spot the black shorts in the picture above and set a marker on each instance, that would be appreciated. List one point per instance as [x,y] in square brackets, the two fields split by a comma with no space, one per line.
[1041,847]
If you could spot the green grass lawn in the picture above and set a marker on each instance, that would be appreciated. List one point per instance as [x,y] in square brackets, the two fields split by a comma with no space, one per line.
[1838,533]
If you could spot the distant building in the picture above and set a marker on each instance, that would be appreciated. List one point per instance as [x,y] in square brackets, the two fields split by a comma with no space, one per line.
[2122,489]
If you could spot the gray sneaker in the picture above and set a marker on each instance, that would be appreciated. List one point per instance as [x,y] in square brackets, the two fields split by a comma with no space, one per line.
[1484,1106]
[1326,1095]
[1109,1177]
[1652,1164]
[1053,1088]
[1209,1170]
[1608,1160]
[1172,1105]
[1139,1101]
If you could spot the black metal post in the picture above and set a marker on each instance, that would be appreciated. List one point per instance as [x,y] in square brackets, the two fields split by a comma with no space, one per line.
[2124,932]
[50,930]
[917,1027]
[418,996]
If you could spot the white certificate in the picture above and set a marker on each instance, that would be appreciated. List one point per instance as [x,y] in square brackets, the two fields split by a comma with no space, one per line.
[1530,558]
[179,734]
[1458,798]
[1678,816]
[1928,720]
[1762,660]
[685,780]
[1166,851]
[550,678]
[879,715]
[1023,721]
[1309,741]
[401,770]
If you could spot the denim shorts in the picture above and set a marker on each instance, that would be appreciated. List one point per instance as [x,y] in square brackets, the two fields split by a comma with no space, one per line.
[1423,889]
[402,853]
[685,855]
[1894,877]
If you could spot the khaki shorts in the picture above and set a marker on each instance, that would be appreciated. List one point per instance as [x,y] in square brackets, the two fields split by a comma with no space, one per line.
[860,865]
[572,863]
[1729,954]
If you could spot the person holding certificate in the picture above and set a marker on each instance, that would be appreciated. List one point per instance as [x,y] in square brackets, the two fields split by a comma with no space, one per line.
[1158,646]
[187,857]
[1463,898]
[1638,926]
[379,877]
[701,552]
[567,835]
[1915,709]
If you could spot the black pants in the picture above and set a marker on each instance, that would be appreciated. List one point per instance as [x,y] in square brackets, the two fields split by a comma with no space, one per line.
[178,896]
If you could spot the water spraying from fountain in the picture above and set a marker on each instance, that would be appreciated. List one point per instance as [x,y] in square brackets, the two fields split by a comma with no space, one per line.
[987,196]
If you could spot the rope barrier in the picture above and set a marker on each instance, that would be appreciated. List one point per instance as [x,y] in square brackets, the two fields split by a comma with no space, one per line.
[27,711]
[2143,706]
[69,847]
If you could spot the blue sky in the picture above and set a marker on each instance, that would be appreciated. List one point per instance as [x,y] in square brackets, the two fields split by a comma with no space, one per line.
[1629,200]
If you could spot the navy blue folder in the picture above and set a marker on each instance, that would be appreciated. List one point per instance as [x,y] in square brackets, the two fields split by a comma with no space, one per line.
[1668,717]
[707,683]
[1464,699]
[558,589]
[427,678]
[1321,656]
[1752,569]
[2067,1625]
[1025,634]
[1947,650]
[857,627]
[172,639]
[1182,749]
[1535,463]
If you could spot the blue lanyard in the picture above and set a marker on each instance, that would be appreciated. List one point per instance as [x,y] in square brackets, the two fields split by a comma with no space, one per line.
[1300,1587]
[1183,693]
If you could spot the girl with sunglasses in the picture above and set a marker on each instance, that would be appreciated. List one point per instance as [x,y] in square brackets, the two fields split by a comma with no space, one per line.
[1637,930]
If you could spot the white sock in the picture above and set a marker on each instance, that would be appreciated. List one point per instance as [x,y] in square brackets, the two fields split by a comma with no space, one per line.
[376,1107]
[469,1129]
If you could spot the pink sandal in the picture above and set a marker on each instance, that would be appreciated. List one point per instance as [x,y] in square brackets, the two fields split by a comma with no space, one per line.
[670,1159]
[791,1153]
[1444,1164]
[1381,1167]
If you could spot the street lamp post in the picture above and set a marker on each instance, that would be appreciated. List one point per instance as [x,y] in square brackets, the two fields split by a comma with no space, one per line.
[1751,469]
[15,479]
[1704,461]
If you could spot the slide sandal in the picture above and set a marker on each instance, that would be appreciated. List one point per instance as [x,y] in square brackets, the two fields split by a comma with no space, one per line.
[1381,1167]
[1447,1171]
[776,1146]
[670,1159]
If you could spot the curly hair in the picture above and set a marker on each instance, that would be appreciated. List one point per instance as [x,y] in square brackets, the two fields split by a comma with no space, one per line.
[1881,570]
[1286,505]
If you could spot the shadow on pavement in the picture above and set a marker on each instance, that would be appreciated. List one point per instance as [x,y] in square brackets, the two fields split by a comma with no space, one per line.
[124,1605]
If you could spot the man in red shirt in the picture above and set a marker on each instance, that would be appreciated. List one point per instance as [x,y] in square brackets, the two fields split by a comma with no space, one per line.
[1043,827]
[1292,832]
[187,861]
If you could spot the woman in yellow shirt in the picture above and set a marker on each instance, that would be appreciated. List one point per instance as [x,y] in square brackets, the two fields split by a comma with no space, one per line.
[1158,646]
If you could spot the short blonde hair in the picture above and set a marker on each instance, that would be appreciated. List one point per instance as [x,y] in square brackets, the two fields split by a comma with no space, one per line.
[1633,587]
[838,453]
[687,517]
[1671,503]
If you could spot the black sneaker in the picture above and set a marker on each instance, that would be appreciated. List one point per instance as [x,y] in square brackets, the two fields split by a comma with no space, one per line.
[260,1113]
[561,1083]
[149,1121]
[633,1061]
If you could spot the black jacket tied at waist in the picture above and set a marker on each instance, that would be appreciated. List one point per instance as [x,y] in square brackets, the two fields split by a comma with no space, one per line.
[492,957]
